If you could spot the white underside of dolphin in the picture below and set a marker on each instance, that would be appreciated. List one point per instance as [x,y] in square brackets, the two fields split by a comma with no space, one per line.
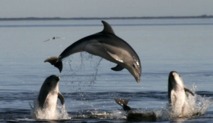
[178,96]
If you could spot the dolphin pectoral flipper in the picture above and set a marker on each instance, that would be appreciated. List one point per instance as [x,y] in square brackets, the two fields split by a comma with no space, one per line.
[189,91]
[61,98]
[117,68]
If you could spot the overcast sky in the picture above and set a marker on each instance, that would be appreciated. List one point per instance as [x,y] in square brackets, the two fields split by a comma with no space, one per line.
[104,8]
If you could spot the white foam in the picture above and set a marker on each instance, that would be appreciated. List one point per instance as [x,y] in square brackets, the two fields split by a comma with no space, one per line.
[45,114]
[194,106]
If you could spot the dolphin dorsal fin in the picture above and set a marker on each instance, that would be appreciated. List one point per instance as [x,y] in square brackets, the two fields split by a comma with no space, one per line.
[107,28]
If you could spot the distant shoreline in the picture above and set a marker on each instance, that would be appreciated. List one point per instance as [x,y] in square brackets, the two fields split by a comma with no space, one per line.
[104,18]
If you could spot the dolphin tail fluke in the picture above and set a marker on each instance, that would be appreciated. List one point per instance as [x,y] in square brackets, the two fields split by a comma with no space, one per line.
[123,103]
[55,61]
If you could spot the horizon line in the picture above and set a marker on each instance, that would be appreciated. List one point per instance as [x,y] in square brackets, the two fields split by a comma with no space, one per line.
[95,18]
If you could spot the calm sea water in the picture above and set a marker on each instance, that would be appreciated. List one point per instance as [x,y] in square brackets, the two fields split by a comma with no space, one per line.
[87,82]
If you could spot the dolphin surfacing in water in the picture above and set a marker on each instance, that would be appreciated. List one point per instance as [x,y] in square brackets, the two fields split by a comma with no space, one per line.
[106,45]
[46,103]
[177,96]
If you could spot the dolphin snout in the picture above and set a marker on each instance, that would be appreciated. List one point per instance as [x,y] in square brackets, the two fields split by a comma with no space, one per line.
[138,78]
[58,78]
[135,73]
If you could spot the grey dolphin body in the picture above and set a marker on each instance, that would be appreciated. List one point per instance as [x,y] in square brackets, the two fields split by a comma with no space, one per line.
[175,83]
[49,93]
[178,95]
[106,45]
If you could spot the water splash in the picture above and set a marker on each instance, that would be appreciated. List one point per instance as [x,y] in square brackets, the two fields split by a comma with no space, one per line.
[62,113]
[44,114]
[194,106]
[82,74]
[89,64]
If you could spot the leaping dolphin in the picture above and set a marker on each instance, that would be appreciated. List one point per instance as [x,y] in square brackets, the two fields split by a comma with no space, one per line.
[177,95]
[46,103]
[107,45]
[50,87]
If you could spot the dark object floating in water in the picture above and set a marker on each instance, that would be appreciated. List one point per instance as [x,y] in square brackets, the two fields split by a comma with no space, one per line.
[141,116]
[136,116]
